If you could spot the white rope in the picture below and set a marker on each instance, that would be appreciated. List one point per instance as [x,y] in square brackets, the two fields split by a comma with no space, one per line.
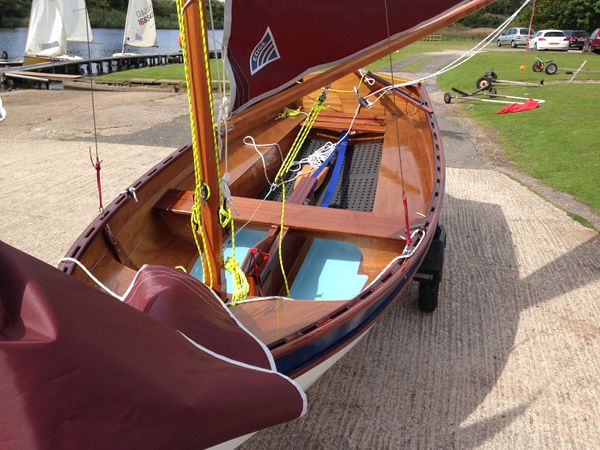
[454,64]
[89,274]
[249,140]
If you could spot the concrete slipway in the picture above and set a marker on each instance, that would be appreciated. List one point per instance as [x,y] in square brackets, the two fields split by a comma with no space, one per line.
[509,360]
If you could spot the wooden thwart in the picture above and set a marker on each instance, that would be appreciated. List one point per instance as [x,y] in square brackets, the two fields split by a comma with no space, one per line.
[363,123]
[310,219]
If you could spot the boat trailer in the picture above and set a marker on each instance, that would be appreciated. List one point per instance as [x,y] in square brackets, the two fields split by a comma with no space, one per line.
[485,95]
[489,79]
[551,68]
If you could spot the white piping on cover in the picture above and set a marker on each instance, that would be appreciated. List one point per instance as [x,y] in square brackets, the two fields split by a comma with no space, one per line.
[251,367]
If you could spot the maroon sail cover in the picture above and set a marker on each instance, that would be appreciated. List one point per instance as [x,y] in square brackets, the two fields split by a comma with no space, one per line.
[81,369]
[271,44]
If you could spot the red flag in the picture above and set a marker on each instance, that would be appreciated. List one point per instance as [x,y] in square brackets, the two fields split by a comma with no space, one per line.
[518,107]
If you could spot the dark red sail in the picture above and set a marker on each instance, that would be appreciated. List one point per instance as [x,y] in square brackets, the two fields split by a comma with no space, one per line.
[271,44]
[81,369]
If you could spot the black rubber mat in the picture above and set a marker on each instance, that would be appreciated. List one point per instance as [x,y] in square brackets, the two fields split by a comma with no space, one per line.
[357,185]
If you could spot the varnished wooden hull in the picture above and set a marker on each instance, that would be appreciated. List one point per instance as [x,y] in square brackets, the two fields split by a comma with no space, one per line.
[113,250]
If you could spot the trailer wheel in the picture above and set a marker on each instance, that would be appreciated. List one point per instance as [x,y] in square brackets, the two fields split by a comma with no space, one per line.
[484,83]
[538,66]
[493,91]
[493,75]
[551,68]
[428,297]
[447,98]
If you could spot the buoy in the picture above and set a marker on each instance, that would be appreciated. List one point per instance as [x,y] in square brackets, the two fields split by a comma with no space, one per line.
[522,67]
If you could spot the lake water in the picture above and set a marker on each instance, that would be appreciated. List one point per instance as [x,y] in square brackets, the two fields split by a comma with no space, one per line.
[107,41]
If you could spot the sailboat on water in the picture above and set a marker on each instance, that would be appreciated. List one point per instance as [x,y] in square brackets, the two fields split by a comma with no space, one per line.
[320,193]
[52,25]
[140,26]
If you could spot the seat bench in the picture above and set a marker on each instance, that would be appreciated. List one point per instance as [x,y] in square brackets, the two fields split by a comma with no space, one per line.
[310,219]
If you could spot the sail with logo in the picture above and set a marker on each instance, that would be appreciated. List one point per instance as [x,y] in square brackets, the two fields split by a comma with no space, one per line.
[264,55]
[52,24]
[140,26]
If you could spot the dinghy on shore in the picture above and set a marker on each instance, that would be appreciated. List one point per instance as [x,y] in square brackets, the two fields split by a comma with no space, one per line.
[243,266]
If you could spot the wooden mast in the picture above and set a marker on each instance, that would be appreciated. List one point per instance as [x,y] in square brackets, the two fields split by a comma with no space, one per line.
[201,104]
[262,110]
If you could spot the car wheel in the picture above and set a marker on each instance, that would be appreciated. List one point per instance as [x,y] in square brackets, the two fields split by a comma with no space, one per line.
[551,68]
[513,44]
[498,43]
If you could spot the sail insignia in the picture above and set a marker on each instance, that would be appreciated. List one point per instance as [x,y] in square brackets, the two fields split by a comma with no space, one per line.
[264,53]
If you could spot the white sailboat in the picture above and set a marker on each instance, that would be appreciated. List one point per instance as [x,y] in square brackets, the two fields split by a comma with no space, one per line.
[52,24]
[140,27]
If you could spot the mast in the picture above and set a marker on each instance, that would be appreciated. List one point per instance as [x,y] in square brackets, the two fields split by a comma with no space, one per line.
[201,104]
[126,29]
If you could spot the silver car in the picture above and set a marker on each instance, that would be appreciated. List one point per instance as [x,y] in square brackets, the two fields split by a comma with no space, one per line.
[514,37]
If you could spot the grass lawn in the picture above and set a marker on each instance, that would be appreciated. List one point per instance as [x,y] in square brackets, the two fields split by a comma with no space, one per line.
[418,48]
[559,142]
[171,71]
[175,71]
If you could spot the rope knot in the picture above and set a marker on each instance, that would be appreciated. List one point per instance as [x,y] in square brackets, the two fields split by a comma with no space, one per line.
[241,288]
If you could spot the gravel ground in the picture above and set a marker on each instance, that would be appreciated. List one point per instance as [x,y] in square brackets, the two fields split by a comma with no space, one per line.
[508,360]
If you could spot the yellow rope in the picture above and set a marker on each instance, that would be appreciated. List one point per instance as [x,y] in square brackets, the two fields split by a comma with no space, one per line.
[287,113]
[196,216]
[307,125]
[285,280]
[240,282]
[241,287]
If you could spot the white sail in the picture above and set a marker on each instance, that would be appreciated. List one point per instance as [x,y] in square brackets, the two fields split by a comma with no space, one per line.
[140,28]
[46,35]
[75,20]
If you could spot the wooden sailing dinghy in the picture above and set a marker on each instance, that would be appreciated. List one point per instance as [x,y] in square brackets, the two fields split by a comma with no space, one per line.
[321,195]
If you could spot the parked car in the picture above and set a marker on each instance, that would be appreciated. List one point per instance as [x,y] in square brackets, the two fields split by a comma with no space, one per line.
[576,38]
[593,42]
[514,37]
[549,40]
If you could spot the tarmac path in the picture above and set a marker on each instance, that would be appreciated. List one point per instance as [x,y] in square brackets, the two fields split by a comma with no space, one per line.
[509,359]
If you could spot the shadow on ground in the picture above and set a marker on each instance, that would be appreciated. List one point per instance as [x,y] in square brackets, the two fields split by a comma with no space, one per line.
[415,379]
